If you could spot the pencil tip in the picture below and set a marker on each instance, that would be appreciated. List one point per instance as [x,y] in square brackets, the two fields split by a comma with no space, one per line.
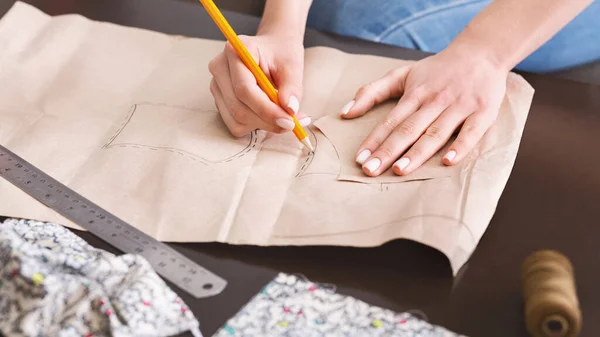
[307,143]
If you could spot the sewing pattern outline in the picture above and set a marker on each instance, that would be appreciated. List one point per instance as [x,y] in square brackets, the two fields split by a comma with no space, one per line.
[252,144]
[311,155]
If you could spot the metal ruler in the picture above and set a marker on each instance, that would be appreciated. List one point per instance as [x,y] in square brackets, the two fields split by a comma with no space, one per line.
[172,265]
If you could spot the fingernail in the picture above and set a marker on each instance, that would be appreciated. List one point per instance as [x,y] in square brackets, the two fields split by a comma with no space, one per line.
[363,156]
[372,164]
[285,123]
[305,121]
[347,107]
[450,156]
[402,163]
[294,104]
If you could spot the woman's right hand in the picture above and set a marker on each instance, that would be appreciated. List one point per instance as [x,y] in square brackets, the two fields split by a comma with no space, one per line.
[242,104]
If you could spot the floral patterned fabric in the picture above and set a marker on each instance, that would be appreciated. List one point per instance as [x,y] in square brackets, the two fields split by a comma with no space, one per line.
[52,283]
[292,307]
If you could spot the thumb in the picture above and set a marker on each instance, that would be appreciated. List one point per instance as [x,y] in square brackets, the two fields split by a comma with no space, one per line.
[289,84]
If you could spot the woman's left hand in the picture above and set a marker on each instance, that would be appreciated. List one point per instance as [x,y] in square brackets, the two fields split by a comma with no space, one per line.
[438,95]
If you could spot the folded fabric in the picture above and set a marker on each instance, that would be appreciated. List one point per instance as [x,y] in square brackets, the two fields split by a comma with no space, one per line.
[292,307]
[52,283]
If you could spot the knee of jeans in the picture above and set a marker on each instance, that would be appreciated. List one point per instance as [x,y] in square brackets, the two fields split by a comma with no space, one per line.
[405,38]
[563,52]
[574,45]
[324,14]
[542,62]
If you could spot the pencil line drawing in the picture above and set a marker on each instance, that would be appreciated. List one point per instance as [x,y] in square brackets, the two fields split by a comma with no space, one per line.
[253,139]
[309,159]
[311,155]
[252,143]
[459,221]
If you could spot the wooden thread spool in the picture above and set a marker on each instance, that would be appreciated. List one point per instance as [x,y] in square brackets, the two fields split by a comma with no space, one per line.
[551,304]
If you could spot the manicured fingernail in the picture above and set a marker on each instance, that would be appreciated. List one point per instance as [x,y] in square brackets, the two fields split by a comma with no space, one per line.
[363,156]
[372,164]
[450,156]
[294,104]
[305,121]
[402,163]
[285,123]
[347,107]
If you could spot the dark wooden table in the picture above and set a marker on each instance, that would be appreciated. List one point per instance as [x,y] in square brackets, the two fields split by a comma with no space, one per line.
[552,200]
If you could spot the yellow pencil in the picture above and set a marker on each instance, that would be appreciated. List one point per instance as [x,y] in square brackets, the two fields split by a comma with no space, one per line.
[248,60]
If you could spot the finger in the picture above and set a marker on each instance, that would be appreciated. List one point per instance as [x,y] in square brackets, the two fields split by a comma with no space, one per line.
[288,80]
[247,91]
[435,137]
[401,138]
[303,119]
[219,68]
[473,129]
[244,114]
[390,85]
[405,107]
[237,129]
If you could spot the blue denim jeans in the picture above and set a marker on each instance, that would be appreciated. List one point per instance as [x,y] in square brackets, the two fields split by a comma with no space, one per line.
[430,25]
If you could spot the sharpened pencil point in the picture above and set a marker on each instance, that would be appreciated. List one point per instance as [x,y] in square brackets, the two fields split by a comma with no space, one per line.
[307,143]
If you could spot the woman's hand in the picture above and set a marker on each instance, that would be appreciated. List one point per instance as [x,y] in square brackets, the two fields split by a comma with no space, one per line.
[438,95]
[242,104]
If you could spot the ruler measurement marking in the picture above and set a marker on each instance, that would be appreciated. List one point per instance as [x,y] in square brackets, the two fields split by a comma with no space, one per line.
[168,262]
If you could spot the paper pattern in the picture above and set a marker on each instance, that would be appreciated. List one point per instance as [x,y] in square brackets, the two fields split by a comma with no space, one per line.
[125,117]
[347,135]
